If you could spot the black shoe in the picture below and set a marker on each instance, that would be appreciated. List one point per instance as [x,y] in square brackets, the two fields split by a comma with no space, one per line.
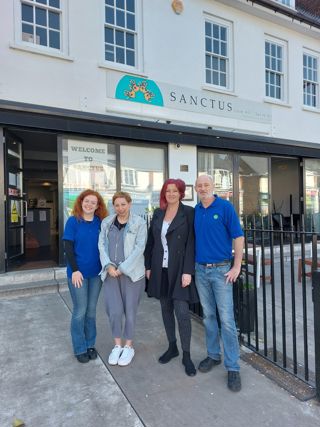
[207,364]
[92,353]
[83,357]
[234,381]
[188,364]
[170,353]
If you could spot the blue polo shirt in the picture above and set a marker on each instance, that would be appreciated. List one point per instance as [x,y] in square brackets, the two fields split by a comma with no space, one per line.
[85,236]
[215,228]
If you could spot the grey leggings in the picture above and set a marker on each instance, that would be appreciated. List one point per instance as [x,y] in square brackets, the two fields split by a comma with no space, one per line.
[181,310]
[122,297]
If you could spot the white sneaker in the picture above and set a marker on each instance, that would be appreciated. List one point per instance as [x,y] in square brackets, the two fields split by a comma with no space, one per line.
[126,356]
[114,355]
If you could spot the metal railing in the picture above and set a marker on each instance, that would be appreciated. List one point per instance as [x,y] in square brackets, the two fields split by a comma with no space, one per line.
[274,299]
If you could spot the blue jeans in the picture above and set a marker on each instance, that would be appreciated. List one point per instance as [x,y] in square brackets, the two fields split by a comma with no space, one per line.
[215,293]
[83,321]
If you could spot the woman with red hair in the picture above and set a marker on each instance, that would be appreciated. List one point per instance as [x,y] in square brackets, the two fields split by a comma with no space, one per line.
[80,237]
[169,262]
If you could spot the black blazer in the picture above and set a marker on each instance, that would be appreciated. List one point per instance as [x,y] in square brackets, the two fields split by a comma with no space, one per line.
[180,239]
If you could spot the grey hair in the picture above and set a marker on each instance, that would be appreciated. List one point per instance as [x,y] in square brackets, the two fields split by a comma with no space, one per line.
[206,175]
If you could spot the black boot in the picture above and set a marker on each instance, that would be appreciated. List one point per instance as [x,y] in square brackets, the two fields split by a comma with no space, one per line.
[170,353]
[188,364]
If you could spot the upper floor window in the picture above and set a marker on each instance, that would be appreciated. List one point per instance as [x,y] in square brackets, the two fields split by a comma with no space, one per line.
[310,80]
[274,70]
[217,53]
[120,32]
[41,22]
[290,3]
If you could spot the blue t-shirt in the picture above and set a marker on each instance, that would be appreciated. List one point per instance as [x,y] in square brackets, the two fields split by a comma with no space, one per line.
[85,236]
[215,228]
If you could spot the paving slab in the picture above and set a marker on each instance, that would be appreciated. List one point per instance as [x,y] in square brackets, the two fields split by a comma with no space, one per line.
[41,382]
[164,396]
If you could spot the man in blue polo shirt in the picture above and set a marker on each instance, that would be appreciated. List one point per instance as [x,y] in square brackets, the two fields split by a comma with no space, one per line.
[217,226]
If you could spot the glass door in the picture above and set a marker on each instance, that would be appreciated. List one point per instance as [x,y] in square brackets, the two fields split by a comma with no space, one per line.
[312,194]
[16,207]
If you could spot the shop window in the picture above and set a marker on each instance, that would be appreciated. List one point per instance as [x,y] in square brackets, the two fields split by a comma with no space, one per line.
[275,70]
[220,167]
[217,53]
[120,32]
[142,175]
[88,164]
[310,80]
[41,23]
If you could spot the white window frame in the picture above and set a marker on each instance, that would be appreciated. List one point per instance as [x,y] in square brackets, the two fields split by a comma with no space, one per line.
[138,67]
[316,56]
[288,3]
[32,47]
[229,58]
[283,74]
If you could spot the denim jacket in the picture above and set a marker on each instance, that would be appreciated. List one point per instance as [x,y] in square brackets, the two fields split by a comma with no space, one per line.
[135,235]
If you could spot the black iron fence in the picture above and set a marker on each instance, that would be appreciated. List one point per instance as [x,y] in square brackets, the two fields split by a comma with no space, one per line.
[274,301]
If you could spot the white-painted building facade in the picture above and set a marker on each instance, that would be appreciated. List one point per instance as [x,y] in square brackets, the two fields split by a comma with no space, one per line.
[121,94]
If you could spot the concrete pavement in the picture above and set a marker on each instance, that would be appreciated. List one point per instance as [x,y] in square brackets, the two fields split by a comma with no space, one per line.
[43,384]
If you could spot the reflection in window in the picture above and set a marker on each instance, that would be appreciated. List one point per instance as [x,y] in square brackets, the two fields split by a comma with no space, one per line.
[312,191]
[253,186]
[88,165]
[142,175]
[219,166]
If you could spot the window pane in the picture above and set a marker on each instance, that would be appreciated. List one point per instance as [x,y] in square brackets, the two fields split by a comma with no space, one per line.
[130,40]
[27,33]
[223,80]
[216,48]
[120,55]
[223,49]
[54,39]
[208,61]
[109,38]
[111,2]
[215,29]
[208,29]
[131,22]
[27,13]
[142,175]
[98,173]
[41,36]
[54,20]
[220,167]
[208,45]
[54,3]
[109,15]
[119,38]
[223,32]
[130,57]
[41,16]
[130,5]
[41,1]
[208,76]
[120,4]
[215,78]
[253,185]
[109,53]
[120,18]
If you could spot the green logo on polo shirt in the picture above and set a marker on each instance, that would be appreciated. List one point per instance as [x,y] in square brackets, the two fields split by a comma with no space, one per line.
[215,216]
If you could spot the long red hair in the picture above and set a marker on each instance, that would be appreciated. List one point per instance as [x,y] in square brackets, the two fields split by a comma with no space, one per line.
[181,186]
[101,211]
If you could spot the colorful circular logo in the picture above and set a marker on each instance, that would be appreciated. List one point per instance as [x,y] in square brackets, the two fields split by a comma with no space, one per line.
[215,216]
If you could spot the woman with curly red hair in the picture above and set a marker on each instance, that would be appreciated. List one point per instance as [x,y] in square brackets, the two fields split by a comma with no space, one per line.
[80,237]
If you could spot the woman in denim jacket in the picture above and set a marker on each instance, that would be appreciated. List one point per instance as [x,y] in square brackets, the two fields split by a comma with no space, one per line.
[121,244]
